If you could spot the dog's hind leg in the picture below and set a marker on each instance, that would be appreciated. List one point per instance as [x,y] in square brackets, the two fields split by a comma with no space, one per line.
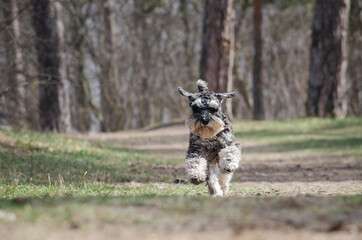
[213,180]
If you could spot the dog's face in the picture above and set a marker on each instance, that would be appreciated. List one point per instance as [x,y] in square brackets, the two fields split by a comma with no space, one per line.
[206,118]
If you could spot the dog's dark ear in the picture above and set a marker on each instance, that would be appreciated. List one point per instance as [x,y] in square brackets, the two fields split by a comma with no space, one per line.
[225,95]
[185,93]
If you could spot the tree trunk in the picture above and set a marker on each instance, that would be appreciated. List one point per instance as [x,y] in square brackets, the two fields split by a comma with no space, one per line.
[82,105]
[354,72]
[63,87]
[144,62]
[16,77]
[82,89]
[111,106]
[188,49]
[328,60]
[217,53]
[258,96]
[240,84]
[54,111]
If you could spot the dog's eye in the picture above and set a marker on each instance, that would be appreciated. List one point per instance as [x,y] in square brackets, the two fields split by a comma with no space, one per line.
[196,109]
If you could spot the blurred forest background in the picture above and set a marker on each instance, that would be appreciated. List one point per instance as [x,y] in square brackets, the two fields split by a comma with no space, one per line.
[76,65]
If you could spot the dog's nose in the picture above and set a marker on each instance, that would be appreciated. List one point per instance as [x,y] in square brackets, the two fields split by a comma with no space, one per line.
[204,120]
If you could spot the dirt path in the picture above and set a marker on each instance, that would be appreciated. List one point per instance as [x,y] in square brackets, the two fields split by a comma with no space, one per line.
[261,162]
[281,191]
[117,232]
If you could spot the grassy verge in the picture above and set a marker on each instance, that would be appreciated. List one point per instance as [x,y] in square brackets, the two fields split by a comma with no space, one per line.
[38,164]
[57,180]
[342,136]
[192,213]
[48,159]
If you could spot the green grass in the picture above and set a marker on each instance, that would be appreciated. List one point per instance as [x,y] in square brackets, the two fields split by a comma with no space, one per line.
[45,158]
[58,180]
[342,136]
[173,212]
[98,189]
[37,164]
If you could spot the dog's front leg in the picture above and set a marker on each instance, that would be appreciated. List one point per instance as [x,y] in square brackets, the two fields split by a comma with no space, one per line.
[224,180]
[196,166]
[229,162]
[213,180]
[230,157]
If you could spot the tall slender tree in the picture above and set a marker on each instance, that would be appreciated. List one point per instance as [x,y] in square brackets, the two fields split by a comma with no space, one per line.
[83,106]
[15,59]
[355,59]
[258,96]
[239,82]
[328,59]
[111,105]
[217,53]
[54,109]
[63,88]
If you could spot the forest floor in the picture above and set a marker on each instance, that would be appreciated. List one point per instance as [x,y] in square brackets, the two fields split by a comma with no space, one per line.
[298,179]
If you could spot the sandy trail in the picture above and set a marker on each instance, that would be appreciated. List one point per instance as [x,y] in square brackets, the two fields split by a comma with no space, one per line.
[292,173]
[261,162]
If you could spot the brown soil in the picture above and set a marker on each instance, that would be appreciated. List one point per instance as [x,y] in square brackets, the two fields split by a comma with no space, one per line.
[119,232]
[258,165]
[275,173]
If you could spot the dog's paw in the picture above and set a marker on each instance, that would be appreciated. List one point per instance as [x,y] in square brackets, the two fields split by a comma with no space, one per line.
[229,166]
[229,158]
[218,194]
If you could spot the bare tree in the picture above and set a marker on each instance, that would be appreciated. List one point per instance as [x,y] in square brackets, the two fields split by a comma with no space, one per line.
[185,17]
[144,59]
[111,106]
[54,110]
[217,53]
[258,96]
[239,82]
[328,59]
[83,106]
[128,56]
[63,88]
[14,54]
[354,73]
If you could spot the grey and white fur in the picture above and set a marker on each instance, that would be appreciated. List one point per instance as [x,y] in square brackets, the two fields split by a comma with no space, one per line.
[213,155]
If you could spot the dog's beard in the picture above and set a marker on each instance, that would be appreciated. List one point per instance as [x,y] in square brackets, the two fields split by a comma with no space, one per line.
[205,131]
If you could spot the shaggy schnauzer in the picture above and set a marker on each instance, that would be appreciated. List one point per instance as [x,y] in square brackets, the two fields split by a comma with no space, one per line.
[213,155]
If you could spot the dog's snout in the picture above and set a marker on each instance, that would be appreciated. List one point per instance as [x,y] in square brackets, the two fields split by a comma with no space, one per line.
[205,120]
